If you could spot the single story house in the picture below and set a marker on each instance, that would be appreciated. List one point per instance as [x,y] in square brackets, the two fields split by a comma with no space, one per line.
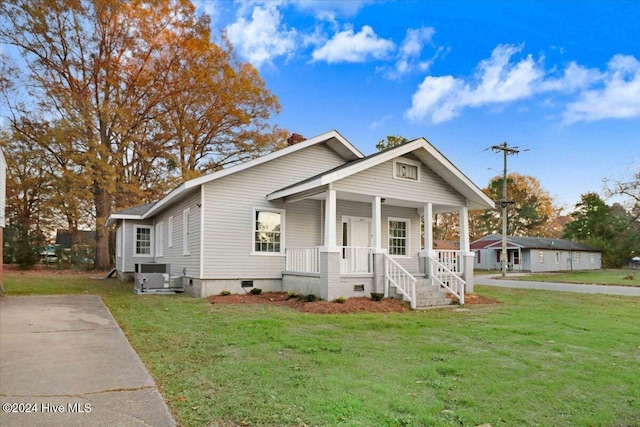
[535,254]
[316,217]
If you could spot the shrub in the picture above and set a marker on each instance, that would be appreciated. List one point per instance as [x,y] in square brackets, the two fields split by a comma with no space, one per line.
[340,300]
[310,298]
[225,292]
[292,294]
[256,291]
[376,296]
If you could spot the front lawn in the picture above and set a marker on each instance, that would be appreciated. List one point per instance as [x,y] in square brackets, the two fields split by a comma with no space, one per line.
[538,358]
[621,277]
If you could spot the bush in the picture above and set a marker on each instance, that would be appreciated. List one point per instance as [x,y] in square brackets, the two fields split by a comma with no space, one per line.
[375,296]
[256,291]
[340,300]
[225,292]
[309,298]
[292,294]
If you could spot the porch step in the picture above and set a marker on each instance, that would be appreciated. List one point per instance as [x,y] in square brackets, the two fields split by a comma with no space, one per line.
[427,295]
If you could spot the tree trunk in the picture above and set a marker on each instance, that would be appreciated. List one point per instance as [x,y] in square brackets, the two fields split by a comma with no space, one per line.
[103,210]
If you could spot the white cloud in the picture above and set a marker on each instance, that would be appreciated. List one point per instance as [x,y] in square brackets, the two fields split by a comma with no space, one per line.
[410,52]
[619,97]
[574,78]
[262,37]
[377,123]
[497,80]
[347,46]
[330,9]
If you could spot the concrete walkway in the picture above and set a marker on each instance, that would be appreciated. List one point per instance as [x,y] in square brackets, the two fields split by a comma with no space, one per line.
[65,362]
[491,280]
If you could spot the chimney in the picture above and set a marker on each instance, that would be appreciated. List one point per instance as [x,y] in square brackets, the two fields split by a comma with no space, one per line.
[295,138]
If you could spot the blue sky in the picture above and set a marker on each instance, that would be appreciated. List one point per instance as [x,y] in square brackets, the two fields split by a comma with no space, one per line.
[559,78]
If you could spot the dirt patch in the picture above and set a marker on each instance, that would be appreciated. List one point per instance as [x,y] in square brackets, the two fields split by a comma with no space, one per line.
[351,305]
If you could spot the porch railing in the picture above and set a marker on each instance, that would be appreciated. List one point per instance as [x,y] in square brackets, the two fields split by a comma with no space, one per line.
[303,260]
[449,279]
[356,260]
[451,259]
[395,275]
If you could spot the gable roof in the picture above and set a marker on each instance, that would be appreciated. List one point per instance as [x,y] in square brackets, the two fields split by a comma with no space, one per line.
[422,149]
[333,139]
[495,241]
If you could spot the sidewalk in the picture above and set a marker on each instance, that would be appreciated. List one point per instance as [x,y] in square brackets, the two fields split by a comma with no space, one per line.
[491,280]
[65,362]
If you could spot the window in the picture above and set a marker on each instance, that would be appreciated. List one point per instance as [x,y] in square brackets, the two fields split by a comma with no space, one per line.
[541,257]
[142,242]
[398,236]
[578,256]
[268,231]
[170,233]
[159,239]
[557,257]
[186,231]
[478,257]
[593,258]
[406,169]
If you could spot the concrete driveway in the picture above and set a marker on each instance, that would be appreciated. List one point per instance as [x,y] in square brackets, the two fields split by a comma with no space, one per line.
[565,287]
[65,362]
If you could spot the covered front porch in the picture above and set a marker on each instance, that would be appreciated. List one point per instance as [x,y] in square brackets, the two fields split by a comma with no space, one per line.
[373,244]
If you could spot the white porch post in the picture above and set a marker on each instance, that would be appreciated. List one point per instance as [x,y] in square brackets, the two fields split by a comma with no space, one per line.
[376,223]
[427,247]
[464,229]
[467,255]
[376,242]
[330,220]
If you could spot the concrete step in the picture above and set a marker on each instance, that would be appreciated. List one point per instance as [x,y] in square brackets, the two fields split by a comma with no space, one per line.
[422,303]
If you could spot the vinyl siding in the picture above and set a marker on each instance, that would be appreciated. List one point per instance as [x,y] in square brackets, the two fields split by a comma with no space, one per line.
[567,261]
[379,181]
[128,246]
[229,206]
[174,255]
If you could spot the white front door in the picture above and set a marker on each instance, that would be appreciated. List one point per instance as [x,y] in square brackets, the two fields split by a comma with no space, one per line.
[356,235]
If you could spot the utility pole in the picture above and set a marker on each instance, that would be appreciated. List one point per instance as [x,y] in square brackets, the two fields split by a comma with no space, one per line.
[506,151]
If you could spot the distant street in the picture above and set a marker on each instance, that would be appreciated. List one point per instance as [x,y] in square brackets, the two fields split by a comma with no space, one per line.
[490,280]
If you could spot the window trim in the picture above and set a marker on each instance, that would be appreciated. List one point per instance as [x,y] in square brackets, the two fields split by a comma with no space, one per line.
[557,257]
[408,162]
[407,238]
[170,232]
[282,213]
[135,241]
[159,239]
[119,241]
[186,232]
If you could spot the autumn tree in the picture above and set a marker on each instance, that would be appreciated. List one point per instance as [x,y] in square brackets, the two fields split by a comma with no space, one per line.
[142,95]
[529,212]
[629,190]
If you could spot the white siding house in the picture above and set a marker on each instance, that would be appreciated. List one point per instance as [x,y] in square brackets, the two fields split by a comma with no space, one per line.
[315,217]
[535,254]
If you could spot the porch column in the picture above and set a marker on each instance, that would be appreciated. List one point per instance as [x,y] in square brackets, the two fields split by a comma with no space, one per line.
[330,253]
[376,242]
[376,222]
[427,248]
[330,219]
[467,256]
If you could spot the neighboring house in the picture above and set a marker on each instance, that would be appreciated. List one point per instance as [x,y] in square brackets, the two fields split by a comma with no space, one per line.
[3,201]
[535,254]
[317,217]
[64,238]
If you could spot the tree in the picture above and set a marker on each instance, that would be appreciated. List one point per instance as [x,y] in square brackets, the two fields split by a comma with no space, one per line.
[608,228]
[528,214]
[390,141]
[141,94]
[628,189]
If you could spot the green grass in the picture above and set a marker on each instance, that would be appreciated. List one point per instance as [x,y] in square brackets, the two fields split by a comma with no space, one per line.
[620,277]
[538,358]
